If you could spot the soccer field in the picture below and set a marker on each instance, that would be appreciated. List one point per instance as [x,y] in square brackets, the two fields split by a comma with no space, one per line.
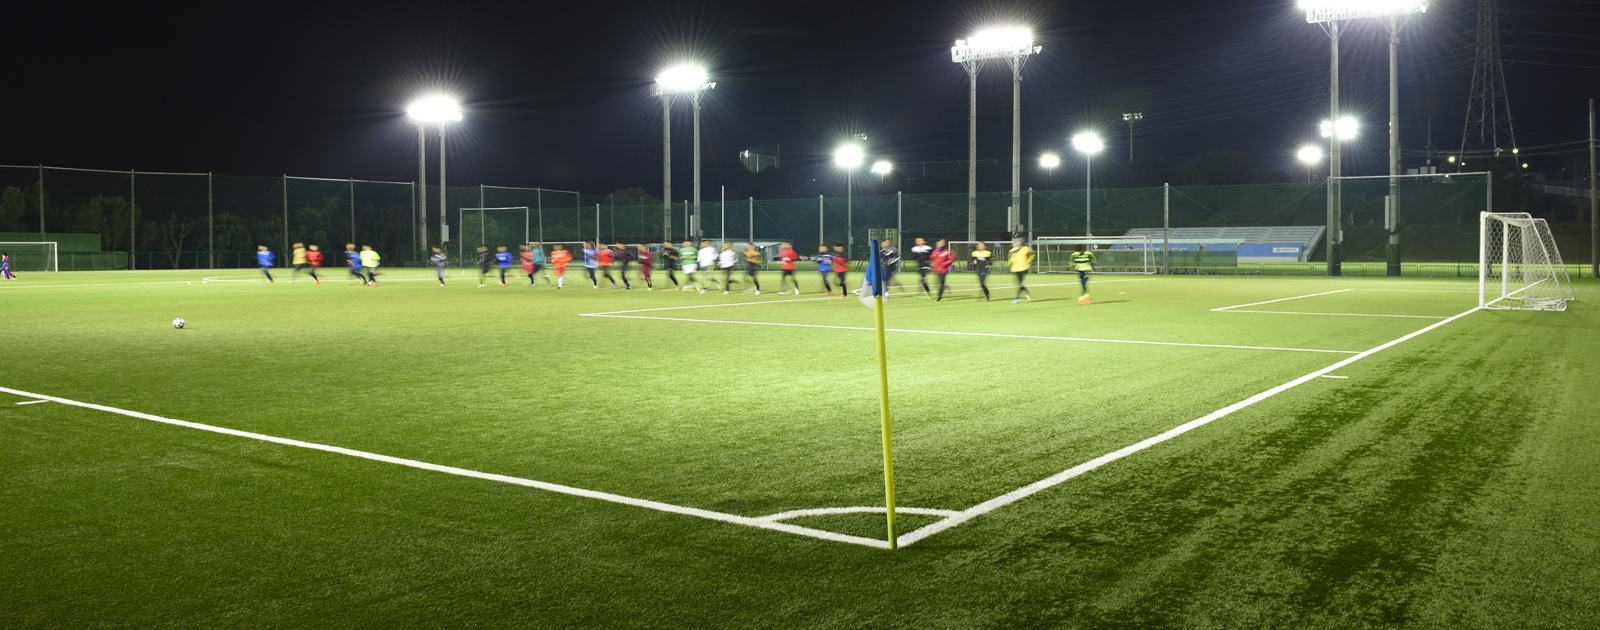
[1187,452]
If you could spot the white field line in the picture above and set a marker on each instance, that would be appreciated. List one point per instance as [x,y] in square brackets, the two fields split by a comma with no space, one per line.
[972,334]
[33,402]
[1053,480]
[1297,297]
[1338,314]
[784,301]
[782,516]
[1332,376]
[758,522]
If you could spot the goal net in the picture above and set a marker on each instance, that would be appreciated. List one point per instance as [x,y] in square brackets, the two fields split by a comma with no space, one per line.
[1519,266]
[1113,254]
[31,256]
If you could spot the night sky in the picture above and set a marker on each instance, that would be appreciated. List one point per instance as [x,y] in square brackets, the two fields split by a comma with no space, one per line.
[557,94]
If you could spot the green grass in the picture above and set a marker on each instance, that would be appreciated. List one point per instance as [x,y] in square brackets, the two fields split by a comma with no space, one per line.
[1451,481]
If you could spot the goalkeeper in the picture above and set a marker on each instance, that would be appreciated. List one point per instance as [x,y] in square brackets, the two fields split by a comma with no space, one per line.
[1083,263]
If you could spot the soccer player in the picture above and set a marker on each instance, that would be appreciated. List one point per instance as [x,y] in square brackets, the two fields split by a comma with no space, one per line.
[889,257]
[841,266]
[788,256]
[670,262]
[298,261]
[824,260]
[644,266]
[690,257]
[604,257]
[752,264]
[980,263]
[264,259]
[1083,263]
[502,259]
[620,253]
[536,255]
[484,259]
[354,258]
[707,259]
[314,259]
[525,256]
[5,267]
[369,263]
[922,254]
[940,260]
[726,259]
[439,261]
[591,262]
[560,257]
[1021,257]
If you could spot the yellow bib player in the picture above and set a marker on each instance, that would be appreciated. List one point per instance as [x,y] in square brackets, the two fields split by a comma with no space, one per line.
[1021,257]
[1083,263]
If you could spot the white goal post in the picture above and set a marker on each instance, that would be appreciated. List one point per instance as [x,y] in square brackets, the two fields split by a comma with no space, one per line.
[1519,266]
[32,255]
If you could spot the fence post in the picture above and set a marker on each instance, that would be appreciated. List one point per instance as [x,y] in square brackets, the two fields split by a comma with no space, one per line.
[133,217]
[822,234]
[41,208]
[352,208]
[899,213]
[1030,213]
[286,215]
[1166,228]
[211,220]
[752,220]
[538,198]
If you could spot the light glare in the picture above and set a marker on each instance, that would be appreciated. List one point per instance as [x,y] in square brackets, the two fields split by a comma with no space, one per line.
[849,156]
[683,78]
[1347,128]
[1333,10]
[1049,160]
[1309,155]
[434,109]
[882,168]
[1088,143]
[994,43]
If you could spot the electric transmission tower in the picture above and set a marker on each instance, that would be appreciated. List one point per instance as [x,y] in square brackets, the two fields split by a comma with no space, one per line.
[1488,111]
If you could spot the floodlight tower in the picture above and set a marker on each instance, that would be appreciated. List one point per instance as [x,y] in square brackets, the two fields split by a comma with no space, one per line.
[849,157]
[440,111]
[1309,156]
[1329,13]
[1014,45]
[690,80]
[1130,118]
[1088,144]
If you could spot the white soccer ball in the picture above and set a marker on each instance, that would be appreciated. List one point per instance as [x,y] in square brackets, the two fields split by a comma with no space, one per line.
[177,323]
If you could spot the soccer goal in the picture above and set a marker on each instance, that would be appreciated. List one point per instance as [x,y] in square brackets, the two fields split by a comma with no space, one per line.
[1519,266]
[1113,254]
[31,256]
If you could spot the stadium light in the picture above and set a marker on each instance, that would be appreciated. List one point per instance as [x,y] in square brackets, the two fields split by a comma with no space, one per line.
[849,157]
[1309,156]
[1329,13]
[432,110]
[1130,118]
[881,167]
[1014,45]
[1348,128]
[693,81]
[1089,144]
[1049,160]
[1452,159]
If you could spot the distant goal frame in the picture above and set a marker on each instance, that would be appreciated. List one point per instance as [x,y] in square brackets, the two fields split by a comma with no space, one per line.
[51,255]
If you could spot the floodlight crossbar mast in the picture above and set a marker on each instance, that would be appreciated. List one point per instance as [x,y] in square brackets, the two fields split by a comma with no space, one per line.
[690,81]
[1318,11]
[1014,45]
[438,111]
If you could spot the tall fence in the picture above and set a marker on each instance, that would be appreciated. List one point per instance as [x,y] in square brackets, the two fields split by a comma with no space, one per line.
[200,220]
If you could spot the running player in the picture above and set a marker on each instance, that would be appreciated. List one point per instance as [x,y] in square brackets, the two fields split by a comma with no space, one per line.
[1083,263]
[1021,257]
[889,257]
[536,254]
[314,259]
[5,267]
[940,260]
[354,258]
[670,262]
[707,259]
[604,257]
[752,264]
[560,257]
[484,259]
[369,264]
[644,266]
[922,254]
[591,262]
[980,264]
[690,258]
[841,267]
[502,259]
[298,261]
[824,260]
[726,259]
[439,261]
[620,253]
[264,259]
[788,256]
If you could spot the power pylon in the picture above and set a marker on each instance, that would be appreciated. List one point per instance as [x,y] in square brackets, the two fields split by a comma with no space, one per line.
[1488,110]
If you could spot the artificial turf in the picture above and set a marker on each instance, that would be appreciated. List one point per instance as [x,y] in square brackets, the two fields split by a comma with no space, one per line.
[1449,481]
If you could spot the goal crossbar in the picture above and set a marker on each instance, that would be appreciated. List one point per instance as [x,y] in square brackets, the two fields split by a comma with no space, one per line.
[32,255]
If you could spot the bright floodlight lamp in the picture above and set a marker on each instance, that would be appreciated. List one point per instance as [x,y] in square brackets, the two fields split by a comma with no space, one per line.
[692,81]
[994,43]
[1334,10]
[848,156]
[1452,159]
[1309,155]
[682,80]
[1347,128]
[1049,160]
[1088,143]
[434,109]
[1013,45]
[881,167]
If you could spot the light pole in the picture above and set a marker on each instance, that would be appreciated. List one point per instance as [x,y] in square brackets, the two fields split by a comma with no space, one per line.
[1088,144]
[1014,45]
[1130,118]
[1329,13]
[849,157]
[690,80]
[440,111]
[1309,156]
[1048,162]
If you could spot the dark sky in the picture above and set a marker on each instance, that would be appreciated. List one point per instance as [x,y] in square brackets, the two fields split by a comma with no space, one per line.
[557,94]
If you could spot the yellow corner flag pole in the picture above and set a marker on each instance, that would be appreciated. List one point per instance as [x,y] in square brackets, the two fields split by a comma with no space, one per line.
[883,398]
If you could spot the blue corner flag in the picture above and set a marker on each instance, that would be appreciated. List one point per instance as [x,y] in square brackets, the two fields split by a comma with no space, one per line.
[872,280]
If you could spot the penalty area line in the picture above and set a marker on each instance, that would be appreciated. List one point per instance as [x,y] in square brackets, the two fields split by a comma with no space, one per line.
[1056,479]
[757,522]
